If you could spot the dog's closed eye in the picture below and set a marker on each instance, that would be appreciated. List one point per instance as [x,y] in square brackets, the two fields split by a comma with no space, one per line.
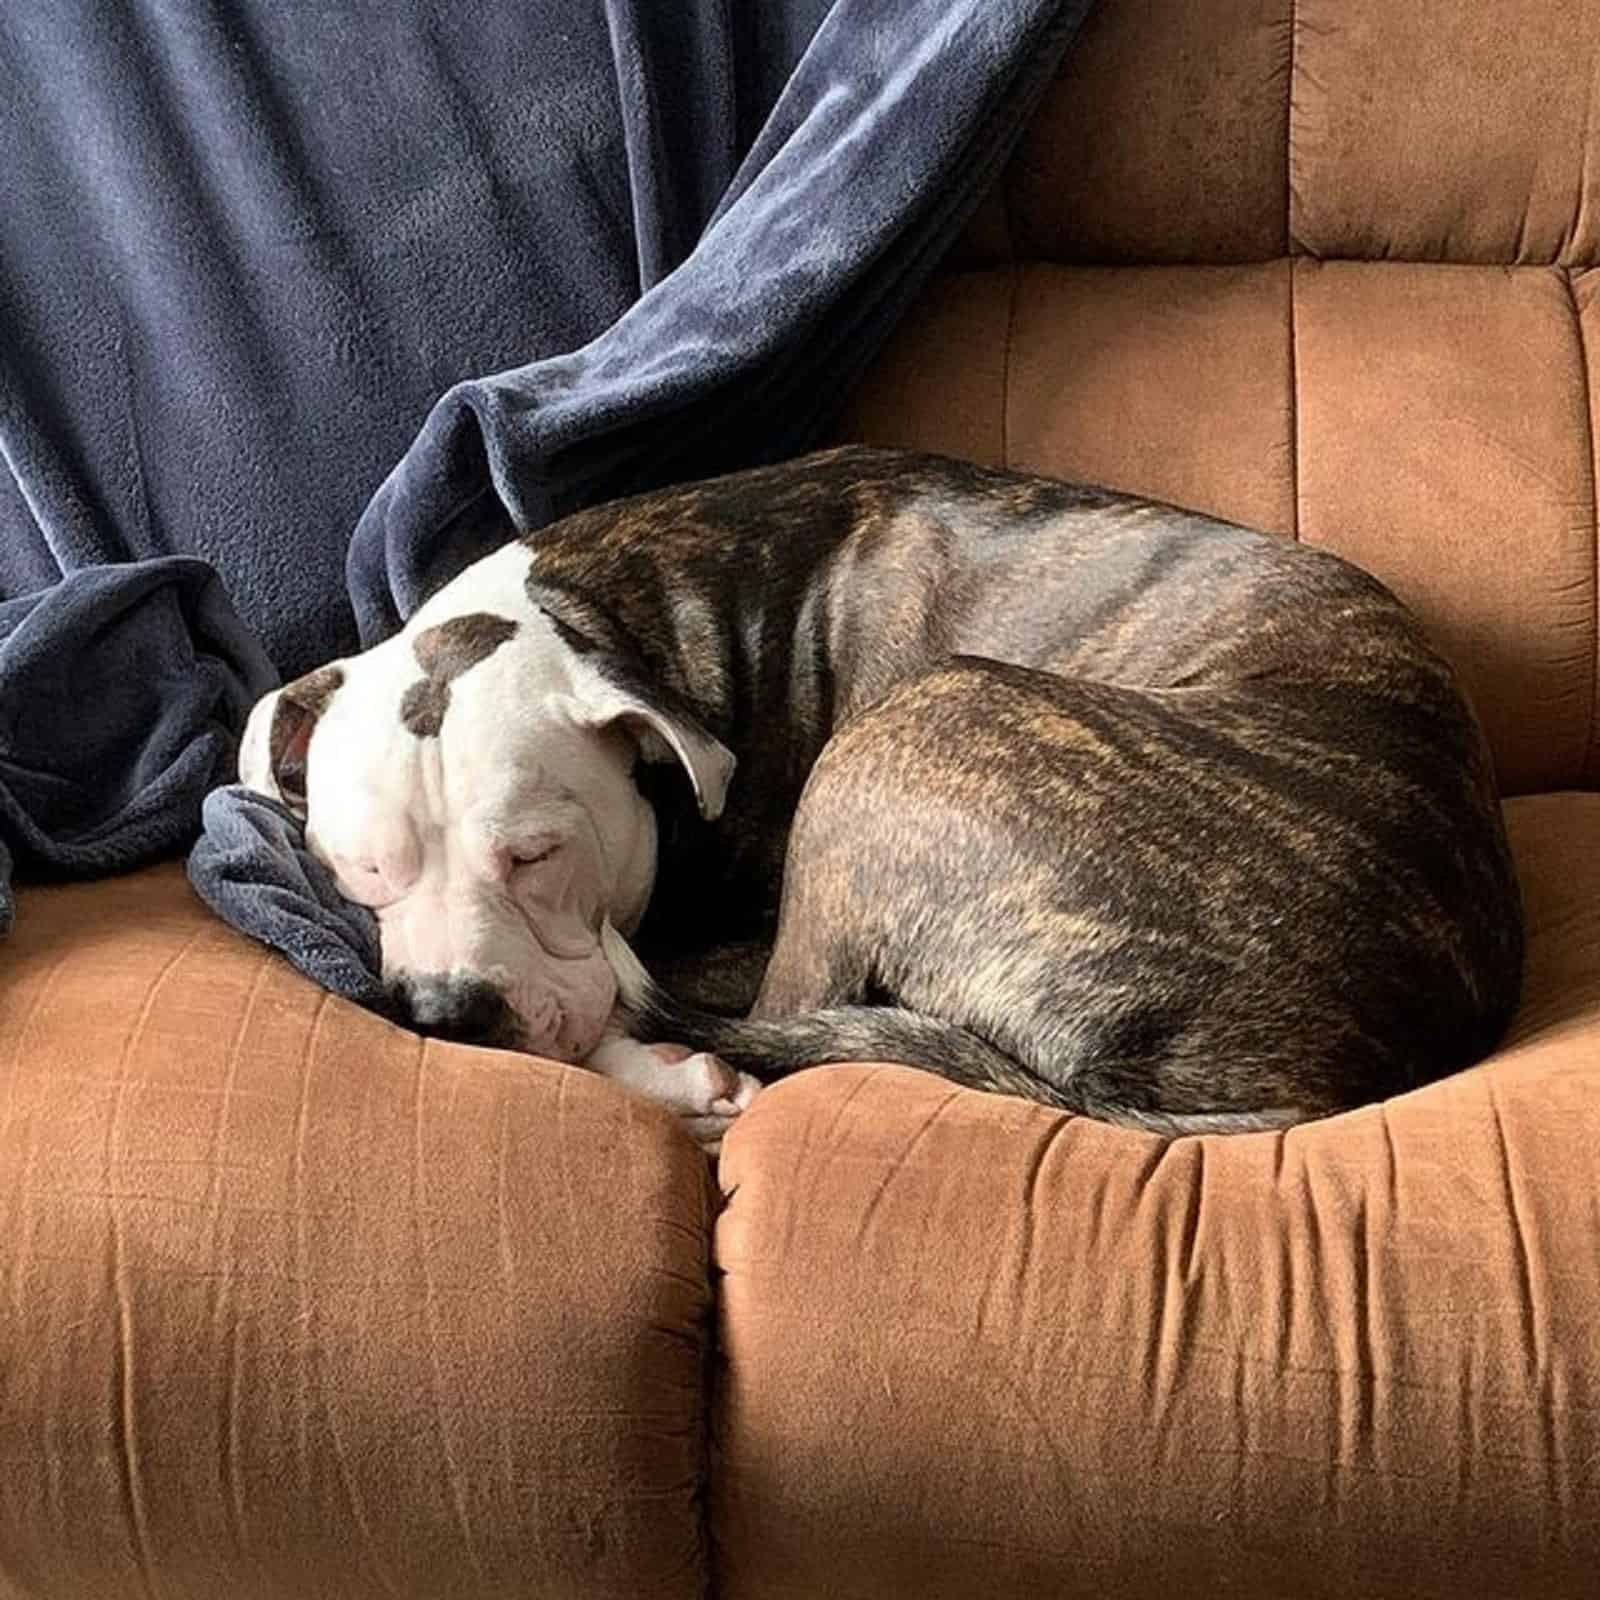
[534,852]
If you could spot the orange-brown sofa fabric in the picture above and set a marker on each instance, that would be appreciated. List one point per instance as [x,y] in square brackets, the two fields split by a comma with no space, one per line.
[294,1306]
[972,1347]
[1325,267]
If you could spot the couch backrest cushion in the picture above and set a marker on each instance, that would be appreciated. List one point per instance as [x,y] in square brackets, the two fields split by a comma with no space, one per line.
[1324,267]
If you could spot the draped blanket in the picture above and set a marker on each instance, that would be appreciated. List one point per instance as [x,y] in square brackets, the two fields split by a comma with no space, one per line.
[298,302]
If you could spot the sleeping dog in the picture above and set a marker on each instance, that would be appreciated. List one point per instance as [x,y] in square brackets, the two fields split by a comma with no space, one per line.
[1053,791]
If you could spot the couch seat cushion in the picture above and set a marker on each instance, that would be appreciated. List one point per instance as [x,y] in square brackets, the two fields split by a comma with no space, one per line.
[973,1346]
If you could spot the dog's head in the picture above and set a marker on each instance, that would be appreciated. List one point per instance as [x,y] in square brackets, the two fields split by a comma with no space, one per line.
[471,781]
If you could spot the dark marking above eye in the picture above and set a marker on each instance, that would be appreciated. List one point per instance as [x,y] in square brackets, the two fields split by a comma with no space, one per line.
[444,652]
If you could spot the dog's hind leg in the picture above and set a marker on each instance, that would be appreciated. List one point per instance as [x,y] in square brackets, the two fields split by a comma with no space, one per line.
[724,978]
[992,875]
[820,999]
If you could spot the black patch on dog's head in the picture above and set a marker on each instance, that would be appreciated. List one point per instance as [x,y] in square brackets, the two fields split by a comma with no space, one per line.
[444,652]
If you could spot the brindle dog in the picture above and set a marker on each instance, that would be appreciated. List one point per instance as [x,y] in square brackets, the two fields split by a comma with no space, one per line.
[1055,791]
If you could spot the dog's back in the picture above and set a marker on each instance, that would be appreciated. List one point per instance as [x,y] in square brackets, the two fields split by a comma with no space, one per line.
[1119,807]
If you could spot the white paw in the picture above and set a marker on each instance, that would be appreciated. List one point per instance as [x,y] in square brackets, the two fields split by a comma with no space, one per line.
[706,1093]
[738,1089]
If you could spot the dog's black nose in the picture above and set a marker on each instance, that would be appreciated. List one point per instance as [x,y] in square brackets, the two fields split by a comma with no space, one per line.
[467,1010]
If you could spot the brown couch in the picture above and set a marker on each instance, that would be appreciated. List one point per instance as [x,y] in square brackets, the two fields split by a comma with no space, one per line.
[293,1304]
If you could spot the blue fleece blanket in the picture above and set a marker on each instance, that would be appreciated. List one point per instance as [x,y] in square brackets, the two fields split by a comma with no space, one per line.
[295,299]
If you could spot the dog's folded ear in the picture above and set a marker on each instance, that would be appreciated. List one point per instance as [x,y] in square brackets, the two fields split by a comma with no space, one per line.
[613,687]
[277,737]
[663,730]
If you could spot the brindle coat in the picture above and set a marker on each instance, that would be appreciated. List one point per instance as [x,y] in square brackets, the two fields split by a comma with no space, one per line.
[1053,790]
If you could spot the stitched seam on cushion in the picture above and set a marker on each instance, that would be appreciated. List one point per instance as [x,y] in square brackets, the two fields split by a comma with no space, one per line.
[1289,255]
[1288,130]
[1294,407]
[1005,365]
[1013,270]
[1586,763]
[711,1364]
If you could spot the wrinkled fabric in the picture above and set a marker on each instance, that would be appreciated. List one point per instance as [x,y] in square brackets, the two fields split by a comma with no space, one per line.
[322,296]
[251,867]
[124,690]
[890,130]
[246,246]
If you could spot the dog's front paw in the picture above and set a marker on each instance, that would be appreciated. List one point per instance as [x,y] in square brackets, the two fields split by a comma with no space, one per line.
[734,1092]
[706,1093]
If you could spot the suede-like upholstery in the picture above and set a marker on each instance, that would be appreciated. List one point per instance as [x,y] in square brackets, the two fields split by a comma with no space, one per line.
[292,1305]
[1430,422]
[295,1304]
[970,1347]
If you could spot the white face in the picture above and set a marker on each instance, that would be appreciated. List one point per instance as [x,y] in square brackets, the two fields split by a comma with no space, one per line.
[470,780]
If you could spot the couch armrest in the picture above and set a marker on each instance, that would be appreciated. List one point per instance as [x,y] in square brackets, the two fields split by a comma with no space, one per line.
[292,1303]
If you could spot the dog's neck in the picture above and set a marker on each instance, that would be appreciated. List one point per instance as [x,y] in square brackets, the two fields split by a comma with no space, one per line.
[770,654]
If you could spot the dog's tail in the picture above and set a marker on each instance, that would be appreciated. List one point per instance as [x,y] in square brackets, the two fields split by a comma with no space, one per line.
[773,1049]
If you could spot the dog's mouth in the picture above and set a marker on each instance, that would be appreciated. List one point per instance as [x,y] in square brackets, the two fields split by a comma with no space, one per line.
[569,1041]
[549,1026]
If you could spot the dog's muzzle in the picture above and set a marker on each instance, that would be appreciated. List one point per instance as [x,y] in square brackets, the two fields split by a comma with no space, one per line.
[461,1008]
